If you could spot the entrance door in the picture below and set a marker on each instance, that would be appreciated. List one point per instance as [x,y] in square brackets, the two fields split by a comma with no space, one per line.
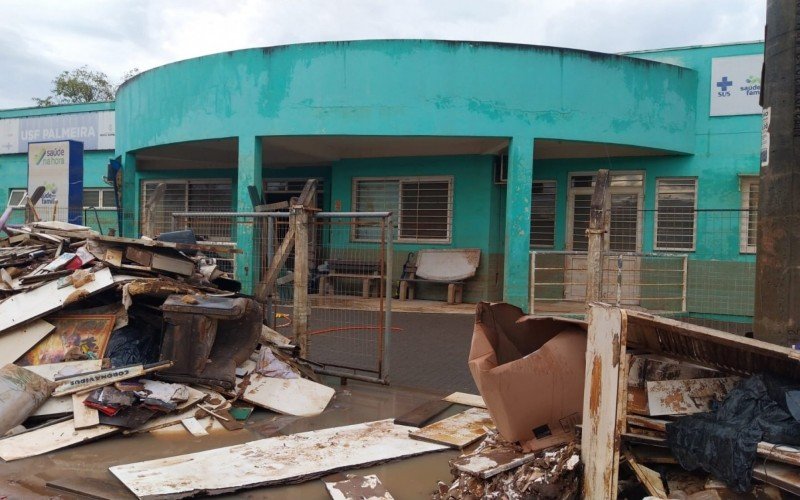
[627,193]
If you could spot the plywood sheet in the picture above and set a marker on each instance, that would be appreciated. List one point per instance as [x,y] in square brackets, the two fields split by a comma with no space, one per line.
[277,460]
[491,461]
[83,416]
[357,488]
[462,398]
[24,307]
[17,341]
[680,397]
[297,396]
[457,431]
[50,438]
[61,404]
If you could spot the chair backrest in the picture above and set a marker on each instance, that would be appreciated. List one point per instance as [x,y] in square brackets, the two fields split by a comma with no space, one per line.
[448,264]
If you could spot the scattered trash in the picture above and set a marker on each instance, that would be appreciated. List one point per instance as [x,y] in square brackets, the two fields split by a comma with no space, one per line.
[354,487]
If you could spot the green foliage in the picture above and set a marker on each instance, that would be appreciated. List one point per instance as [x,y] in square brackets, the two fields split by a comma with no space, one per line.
[82,85]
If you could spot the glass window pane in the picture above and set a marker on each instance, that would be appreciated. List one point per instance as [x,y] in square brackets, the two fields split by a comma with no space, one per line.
[91,198]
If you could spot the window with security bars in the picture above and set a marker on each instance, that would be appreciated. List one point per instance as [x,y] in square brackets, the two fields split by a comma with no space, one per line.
[626,190]
[423,207]
[190,196]
[543,214]
[675,214]
[99,198]
[749,220]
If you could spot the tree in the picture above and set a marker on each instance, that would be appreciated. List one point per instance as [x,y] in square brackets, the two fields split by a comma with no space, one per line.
[82,85]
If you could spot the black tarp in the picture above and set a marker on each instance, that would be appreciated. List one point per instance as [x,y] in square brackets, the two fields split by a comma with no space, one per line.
[723,442]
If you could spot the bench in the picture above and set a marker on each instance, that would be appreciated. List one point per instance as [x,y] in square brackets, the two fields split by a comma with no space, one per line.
[367,272]
[450,266]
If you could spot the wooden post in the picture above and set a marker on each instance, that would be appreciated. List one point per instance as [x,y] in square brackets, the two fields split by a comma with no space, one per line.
[299,220]
[599,221]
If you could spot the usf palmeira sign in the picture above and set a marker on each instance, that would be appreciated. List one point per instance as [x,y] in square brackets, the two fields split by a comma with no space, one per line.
[58,166]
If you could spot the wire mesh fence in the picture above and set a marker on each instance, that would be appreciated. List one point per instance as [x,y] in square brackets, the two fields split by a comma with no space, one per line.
[347,282]
[699,264]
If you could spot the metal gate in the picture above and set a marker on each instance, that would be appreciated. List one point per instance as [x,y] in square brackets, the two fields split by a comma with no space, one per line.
[342,313]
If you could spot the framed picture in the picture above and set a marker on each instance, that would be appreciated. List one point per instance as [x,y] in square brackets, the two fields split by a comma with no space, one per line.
[77,336]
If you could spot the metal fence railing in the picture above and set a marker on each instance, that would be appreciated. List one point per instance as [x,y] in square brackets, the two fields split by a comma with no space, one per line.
[348,285]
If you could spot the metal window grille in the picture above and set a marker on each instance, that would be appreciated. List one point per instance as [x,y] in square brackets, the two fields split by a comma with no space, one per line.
[190,196]
[749,217]
[277,190]
[627,189]
[543,214]
[675,220]
[424,206]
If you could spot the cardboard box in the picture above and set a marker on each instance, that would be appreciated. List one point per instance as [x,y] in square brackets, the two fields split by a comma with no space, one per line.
[530,372]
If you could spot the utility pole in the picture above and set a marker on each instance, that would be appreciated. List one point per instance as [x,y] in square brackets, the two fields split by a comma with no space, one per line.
[777,301]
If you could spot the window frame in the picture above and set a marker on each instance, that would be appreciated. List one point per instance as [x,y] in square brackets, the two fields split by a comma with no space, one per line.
[398,216]
[572,191]
[694,220]
[185,182]
[100,191]
[22,202]
[745,181]
[554,183]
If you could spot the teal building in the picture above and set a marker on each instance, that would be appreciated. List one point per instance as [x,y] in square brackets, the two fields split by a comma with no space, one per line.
[470,144]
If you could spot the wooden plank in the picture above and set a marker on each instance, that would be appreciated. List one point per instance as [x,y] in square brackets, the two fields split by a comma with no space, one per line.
[680,397]
[492,461]
[278,260]
[50,438]
[605,350]
[88,381]
[599,217]
[17,341]
[297,396]
[119,240]
[301,309]
[114,257]
[423,413]
[650,479]
[465,399]
[62,405]
[785,477]
[358,488]
[27,306]
[138,255]
[282,459]
[194,427]
[83,416]
[457,431]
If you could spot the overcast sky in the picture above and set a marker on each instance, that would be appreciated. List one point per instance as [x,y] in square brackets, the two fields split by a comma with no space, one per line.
[39,39]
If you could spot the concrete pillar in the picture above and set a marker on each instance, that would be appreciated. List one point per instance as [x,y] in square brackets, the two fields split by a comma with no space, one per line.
[130,197]
[777,308]
[516,276]
[249,174]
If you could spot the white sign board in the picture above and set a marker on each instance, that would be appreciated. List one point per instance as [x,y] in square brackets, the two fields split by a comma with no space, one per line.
[736,85]
[58,166]
[766,117]
[94,129]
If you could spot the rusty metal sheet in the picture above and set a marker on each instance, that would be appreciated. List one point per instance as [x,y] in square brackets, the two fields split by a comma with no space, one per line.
[459,430]
[358,488]
[283,459]
[680,397]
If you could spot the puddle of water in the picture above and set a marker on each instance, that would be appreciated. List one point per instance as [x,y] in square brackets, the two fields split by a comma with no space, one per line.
[85,467]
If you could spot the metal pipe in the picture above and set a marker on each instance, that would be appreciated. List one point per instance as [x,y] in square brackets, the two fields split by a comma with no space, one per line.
[319,215]
[387,311]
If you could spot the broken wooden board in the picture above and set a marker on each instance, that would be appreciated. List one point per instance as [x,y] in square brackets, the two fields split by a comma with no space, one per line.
[283,459]
[83,416]
[297,396]
[49,438]
[175,265]
[650,479]
[462,398]
[114,257]
[490,462]
[356,487]
[119,240]
[650,368]
[17,341]
[163,421]
[88,381]
[604,400]
[32,304]
[194,427]
[61,405]
[457,431]
[681,397]
[423,413]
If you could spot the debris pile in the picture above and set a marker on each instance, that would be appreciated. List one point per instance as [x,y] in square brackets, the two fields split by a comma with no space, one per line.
[498,469]
[103,335]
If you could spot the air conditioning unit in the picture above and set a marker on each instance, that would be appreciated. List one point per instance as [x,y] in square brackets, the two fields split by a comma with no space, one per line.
[501,169]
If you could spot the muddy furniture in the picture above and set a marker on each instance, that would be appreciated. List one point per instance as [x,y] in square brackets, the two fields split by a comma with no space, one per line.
[449,266]
[367,272]
[207,337]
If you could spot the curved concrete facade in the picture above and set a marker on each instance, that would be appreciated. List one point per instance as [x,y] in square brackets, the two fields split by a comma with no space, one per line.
[411,88]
